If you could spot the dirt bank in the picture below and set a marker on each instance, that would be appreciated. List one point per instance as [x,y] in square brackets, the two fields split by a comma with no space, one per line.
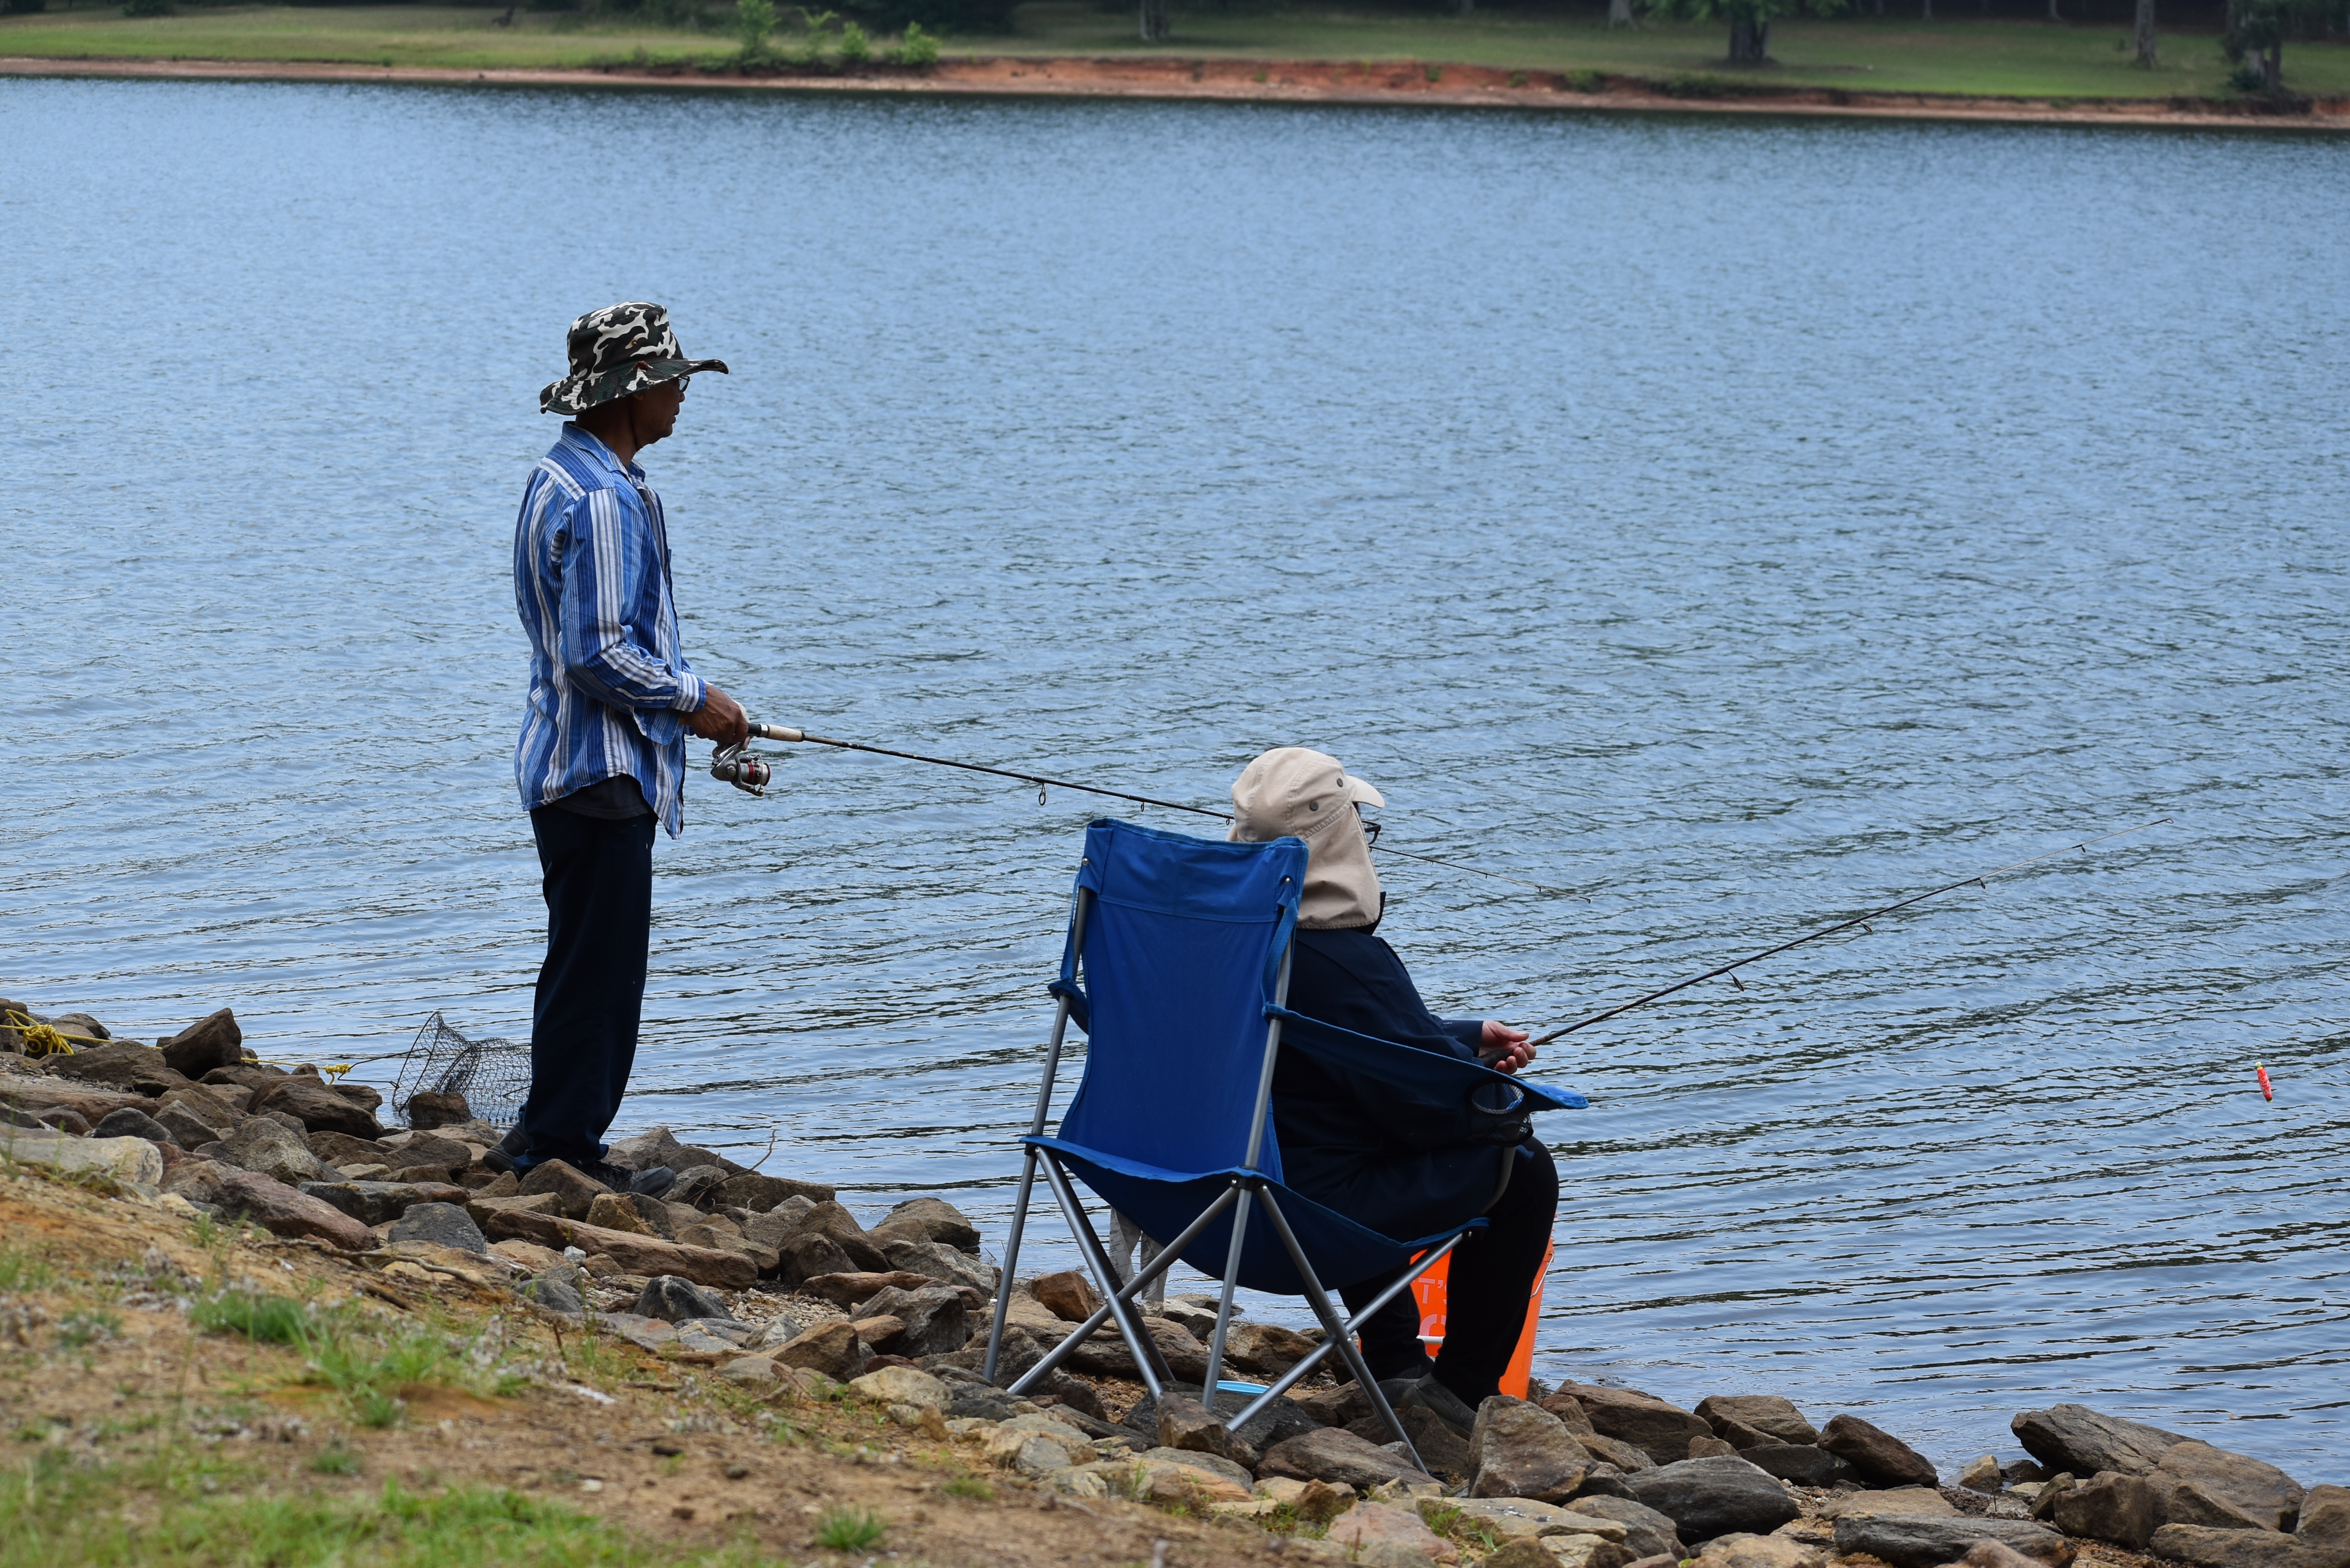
[1450,86]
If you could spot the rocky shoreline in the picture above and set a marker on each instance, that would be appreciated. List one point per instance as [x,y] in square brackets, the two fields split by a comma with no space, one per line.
[783,1295]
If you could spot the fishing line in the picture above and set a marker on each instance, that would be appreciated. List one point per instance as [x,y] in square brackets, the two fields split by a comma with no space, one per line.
[1978,880]
[749,773]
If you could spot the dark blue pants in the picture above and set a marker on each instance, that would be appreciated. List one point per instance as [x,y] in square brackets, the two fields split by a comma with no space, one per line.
[599,883]
[1485,1295]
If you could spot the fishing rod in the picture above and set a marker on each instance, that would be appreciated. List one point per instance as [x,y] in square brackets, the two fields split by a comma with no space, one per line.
[734,765]
[1978,880]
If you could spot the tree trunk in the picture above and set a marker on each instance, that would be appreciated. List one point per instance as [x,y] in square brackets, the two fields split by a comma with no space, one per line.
[2144,37]
[1154,21]
[1619,13]
[2273,69]
[1750,40]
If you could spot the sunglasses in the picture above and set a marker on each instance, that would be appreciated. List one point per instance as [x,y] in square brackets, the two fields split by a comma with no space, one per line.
[1370,827]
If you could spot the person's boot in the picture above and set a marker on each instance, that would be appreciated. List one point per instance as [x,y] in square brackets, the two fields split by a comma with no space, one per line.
[1433,1397]
[500,1157]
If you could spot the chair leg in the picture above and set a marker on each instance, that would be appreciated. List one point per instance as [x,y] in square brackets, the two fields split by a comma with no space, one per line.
[1146,1360]
[1305,1369]
[1224,1303]
[1155,1272]
[1011,1261]
[1337,1329]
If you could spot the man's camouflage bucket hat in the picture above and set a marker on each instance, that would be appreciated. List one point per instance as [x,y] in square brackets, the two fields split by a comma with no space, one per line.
[619,349]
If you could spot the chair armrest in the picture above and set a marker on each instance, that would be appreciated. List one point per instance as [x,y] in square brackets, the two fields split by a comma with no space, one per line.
[1408,1066]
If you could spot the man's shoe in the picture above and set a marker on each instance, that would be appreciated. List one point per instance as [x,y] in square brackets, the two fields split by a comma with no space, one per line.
[620,1178]
[652,1183]
[500,1157]
[1433,1397]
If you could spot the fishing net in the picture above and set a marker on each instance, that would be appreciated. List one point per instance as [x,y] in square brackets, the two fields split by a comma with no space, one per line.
[493,1075]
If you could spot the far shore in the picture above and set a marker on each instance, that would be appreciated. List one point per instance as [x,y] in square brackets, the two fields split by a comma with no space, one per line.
[1249,80]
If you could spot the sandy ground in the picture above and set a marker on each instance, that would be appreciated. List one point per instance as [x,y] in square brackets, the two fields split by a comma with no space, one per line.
[1456,87]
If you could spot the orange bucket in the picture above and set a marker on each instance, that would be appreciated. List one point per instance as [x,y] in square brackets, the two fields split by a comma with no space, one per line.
[1429,1291]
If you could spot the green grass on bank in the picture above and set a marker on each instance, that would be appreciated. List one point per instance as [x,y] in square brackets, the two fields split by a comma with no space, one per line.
[1972,56]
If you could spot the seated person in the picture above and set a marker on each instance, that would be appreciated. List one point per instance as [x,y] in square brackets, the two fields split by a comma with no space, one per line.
[1357,1144]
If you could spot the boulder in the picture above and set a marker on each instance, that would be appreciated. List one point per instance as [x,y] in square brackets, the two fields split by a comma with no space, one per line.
[280,1209]
[365,1095]
[1186,1424]
[1912,1502]
[1805,1464]
[208,1042]
[380,1202]
[831,1348]
[265,1147]
[1520,1449]
[2110,1506]
[917,1220]
[1659,1430]
[1584,1551]
[2077,1438]
[2187,1503]
[2265,1493]
[777,1224]
[429,1108]
[1759,1551]
[635,1254]
[1510,1518]
[130,1122]
[2324,1528]
[126,1160]
[1982,1474]
[761,1193]
[1879,1456]
[645,1150]
[1647,1532]
[1370,1524]
[673,1299]
[1338,1458]
[1569,1410]
[1105,1354]
[1266,1349]
[1443,1452]
[1067,1295]
[119,1065]
[840,1226]
[1622,1456]
[933,1318]
[2212,1548]
[188,1128]
[318,1107]
[482,1206]
[613,1211]
[1706,1497]
[575,1194]
[1337,1406]
[937,1261]
[558,1291]
[1711,1448]
[339,1149]
[1905,1541]
[443,1225]
[1991,1555]
[847,1290]
[901,1386]
[1774,1418]
[1279,1421]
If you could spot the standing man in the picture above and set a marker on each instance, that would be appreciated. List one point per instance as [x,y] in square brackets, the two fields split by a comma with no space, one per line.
[602,752]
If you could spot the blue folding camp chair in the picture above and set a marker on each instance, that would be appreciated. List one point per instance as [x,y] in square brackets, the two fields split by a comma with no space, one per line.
[1185,946]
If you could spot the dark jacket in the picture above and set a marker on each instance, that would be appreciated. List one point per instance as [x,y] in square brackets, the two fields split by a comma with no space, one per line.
[1353,1142]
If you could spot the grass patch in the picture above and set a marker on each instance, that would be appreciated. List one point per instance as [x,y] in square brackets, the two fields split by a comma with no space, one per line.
[971,1486]
[366,1365]
[180,1511]
[24,1270]
[850,1530]
[335,1462]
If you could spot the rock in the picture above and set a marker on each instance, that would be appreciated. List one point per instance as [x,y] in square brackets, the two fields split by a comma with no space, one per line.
[1907,1542]
[808,1254]
[281,1210]
[1877,1454]
[901,1386]
[2052,1490]
[831,1348]
[771,1228]
[2077,1438]
[120,1065]
[1570,1412]
[1443,1452]
[1186,1484]
[613,1211]
[848,1290]
[132,1161]
[674,1300]
[2186,1503]
[443,1225]
[760,1193]
[2110,1506]
[926,1220]
[647,1149]
[1186,1424]
[2231,1547]
[1991,1555]
[437,1108]
[339,1149]
[380,1202]
[267,1147]
[1067,1295]
[2016,1470]
[575,1194]
[130,1123]
[555,1292]
[483,1207]
[1510,1518]
[1584,1551]
[1660,1430]
[1339,1405]
[1910,1502]
[1520,1449]
[1982,1475]
[1521,1552]
[1279,1421]
[2264,1493]
[1366,1524]
[1710,1449]
[939,1261]
[1803,1463]
[2326,1526]
[189,1128]
[1266,1349]
[1768,1414]
[1622,1456]
[1759,1551]
[318,1107]
[933,1318]
[1105,1355]
[1706,1497]
[753,1372]
[1647,1532]
[832,1221]
[636,1254]
[208,1042]
[1340,1457]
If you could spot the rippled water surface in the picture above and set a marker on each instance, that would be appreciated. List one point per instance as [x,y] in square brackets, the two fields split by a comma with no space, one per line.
[1733,523]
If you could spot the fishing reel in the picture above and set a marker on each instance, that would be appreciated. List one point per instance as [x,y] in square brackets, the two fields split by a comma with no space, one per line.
[737,766]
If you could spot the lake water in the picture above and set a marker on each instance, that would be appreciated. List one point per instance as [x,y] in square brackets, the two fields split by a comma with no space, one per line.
[1735,523]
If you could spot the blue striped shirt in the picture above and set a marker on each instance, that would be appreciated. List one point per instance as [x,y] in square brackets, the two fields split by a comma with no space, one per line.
[609,686]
